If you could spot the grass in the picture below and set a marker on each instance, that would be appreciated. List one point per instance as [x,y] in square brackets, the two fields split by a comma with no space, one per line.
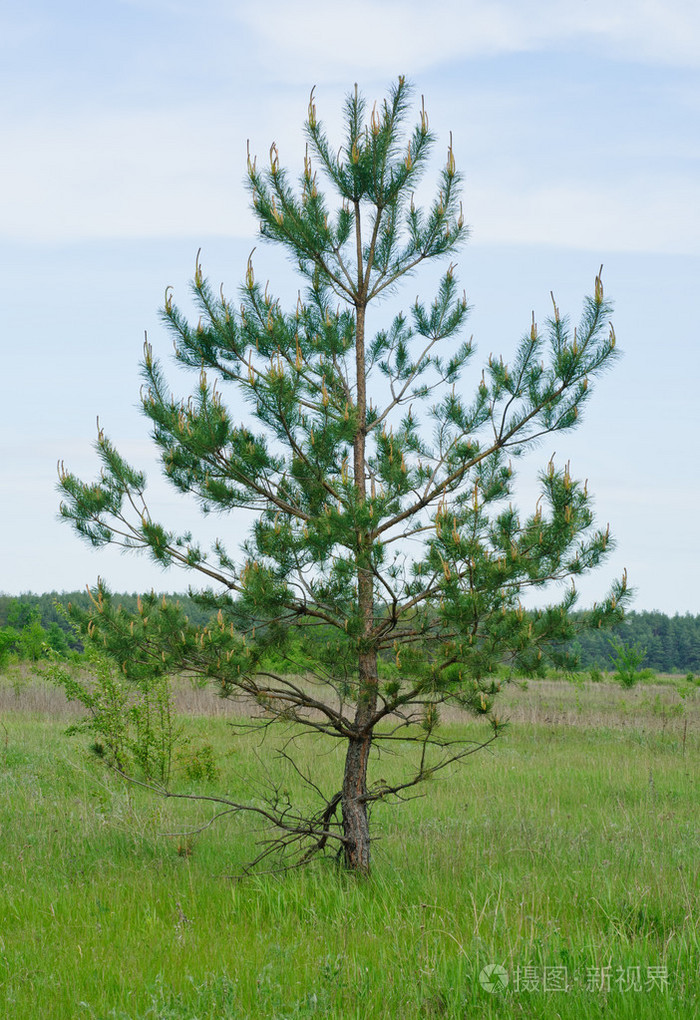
[573,844]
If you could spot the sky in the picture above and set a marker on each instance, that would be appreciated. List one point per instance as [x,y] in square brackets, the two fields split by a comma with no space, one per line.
[576,126]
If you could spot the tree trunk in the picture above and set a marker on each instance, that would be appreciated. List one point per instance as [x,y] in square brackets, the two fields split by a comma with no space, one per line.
[353,803]
[354,807]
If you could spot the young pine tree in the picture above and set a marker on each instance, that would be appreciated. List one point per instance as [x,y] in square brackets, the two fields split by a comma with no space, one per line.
[384,547]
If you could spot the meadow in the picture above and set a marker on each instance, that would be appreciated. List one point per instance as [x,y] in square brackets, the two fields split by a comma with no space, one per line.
[567,853]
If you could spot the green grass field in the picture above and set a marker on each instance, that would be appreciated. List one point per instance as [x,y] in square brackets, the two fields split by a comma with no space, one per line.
[569,854]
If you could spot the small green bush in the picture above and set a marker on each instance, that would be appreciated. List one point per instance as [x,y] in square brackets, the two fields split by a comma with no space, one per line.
[627,661]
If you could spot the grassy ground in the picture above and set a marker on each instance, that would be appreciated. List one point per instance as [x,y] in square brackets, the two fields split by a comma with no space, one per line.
[569,854]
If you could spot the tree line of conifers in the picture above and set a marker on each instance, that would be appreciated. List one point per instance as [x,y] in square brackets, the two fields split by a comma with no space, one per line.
[30,625]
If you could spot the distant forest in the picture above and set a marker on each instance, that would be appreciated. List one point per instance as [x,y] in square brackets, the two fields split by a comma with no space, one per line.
[672,643]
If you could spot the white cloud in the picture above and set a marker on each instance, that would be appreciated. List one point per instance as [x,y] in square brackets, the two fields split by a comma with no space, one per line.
[130,175]
[371,36]
[123,175]
[84,168]
[634,216]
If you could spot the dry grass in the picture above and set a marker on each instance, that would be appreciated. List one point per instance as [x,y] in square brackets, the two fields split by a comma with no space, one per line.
[649,707]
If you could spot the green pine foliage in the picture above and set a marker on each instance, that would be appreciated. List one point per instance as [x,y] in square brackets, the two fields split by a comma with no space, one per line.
[380,469]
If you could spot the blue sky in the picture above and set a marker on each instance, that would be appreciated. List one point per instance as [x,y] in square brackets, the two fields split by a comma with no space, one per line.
[577,128]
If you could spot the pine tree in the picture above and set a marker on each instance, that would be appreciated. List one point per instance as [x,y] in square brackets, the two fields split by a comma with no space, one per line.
[385,543]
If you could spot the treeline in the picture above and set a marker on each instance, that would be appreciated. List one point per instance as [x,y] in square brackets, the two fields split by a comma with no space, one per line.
[671,643]
[49,612]
[31,623]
